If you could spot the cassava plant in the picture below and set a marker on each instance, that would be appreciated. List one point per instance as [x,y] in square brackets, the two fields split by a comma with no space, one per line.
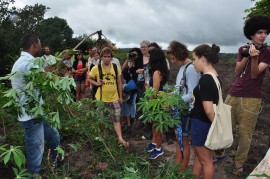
[41,85]
[170,170]
[13,154]
[157,107]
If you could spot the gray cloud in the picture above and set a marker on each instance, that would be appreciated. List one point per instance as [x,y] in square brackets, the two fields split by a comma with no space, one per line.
[128,22]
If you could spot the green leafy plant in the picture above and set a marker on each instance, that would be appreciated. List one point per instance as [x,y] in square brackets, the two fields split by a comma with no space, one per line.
[169,170]
[21,174]
[56,91]
[156,108]
[12,154]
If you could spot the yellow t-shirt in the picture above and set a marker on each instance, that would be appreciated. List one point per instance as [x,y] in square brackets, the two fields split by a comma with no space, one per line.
[109,89]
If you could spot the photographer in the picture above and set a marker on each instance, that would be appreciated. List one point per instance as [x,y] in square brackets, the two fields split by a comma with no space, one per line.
[245,92]
[134,59]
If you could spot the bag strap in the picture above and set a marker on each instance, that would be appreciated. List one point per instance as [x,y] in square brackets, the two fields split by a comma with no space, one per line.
[220,101]
[116,76]
[184,78]
[100,78]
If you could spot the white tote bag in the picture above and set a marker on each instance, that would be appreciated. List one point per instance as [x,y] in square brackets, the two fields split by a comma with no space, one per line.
[220,135]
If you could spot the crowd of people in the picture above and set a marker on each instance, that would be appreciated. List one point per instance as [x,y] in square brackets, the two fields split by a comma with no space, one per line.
[147,66]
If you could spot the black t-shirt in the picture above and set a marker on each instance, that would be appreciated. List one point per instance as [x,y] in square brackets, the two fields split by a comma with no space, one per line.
[206,90]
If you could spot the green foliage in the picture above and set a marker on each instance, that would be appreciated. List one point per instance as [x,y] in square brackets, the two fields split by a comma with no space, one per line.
[5,11]
[54,32]
[130,166]
[228,57]
[60,151]
[136,167]
[120,55]
[56,91]
[30,17]
[21,174]
[261,7]
[90,119]
[12,154]
[170,170]
[157,110]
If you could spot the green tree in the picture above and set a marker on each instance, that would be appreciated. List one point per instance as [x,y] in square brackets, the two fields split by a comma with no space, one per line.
[5,11]
[55,32]
[7,34]
[30,17]
[261,7]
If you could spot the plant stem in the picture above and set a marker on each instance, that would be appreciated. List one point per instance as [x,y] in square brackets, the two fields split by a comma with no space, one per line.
[108,151]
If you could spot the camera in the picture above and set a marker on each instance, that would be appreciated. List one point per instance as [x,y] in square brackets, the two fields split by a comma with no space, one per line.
[132,55]
[245,52]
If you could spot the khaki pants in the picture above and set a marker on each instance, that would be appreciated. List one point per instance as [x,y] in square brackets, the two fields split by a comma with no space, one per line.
[244,114]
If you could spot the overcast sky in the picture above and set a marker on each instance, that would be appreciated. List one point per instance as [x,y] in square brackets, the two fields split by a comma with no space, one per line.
[128,22]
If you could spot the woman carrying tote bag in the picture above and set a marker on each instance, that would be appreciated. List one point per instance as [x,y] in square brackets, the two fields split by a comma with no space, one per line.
[205,95]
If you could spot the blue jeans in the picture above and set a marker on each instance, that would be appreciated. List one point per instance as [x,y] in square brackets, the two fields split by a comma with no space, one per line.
[36,131]
[132,102]
[129,106]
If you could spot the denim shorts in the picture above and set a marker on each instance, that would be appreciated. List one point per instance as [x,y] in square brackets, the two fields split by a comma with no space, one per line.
[199,131]
[79,79]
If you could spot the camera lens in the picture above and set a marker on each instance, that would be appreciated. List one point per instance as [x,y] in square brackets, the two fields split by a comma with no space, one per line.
[245,52]
[132,55]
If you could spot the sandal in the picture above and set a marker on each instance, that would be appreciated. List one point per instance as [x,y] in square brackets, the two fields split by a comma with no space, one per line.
[236,171]
[125,144]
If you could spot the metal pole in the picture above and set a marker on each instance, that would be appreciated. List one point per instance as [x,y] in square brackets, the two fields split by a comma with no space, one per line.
[97,32]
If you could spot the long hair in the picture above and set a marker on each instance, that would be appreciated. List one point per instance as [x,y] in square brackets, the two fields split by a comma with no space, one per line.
[158,62]
[75,63]
[139,60]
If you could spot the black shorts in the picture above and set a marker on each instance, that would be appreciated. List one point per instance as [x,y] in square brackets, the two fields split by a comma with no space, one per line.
[79,79]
